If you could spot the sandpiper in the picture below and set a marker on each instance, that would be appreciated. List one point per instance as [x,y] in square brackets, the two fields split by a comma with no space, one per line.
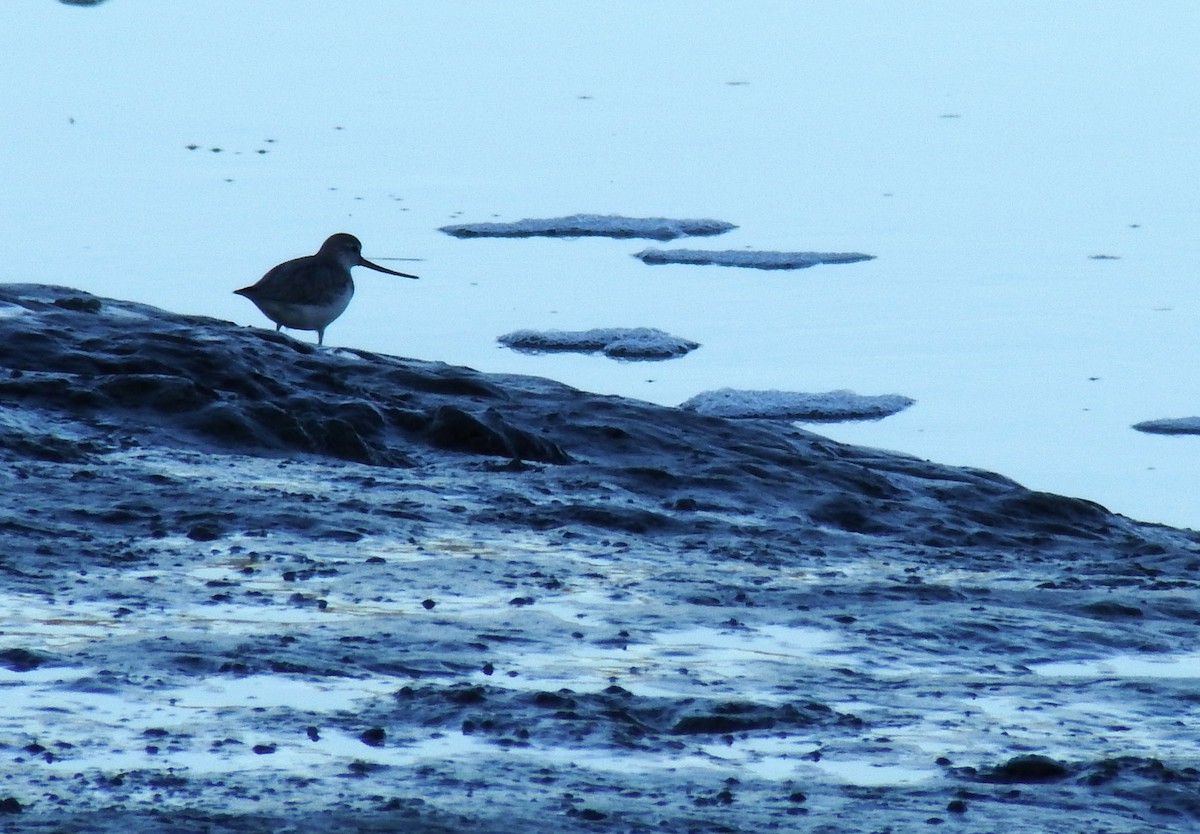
[308,293]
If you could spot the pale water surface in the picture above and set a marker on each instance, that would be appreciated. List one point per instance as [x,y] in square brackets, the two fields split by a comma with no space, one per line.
[983,151]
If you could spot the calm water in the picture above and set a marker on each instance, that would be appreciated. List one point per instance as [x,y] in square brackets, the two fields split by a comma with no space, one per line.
[983,151]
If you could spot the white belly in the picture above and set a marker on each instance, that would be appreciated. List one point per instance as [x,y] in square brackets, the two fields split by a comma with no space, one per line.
[307,316]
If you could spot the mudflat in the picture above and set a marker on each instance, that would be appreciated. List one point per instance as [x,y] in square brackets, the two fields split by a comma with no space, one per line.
[254,585]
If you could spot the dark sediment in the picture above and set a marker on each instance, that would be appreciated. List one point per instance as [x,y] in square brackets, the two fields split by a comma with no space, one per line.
[561,611]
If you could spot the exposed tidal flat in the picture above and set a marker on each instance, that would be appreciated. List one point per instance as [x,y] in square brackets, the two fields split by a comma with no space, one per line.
[250,584]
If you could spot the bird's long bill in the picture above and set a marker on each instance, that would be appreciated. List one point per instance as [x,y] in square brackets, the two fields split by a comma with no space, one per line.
[364,262]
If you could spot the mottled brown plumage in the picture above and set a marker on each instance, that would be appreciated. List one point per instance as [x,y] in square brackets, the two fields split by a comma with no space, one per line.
[310,292]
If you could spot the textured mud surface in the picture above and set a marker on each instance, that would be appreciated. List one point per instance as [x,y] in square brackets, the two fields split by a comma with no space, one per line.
[252,585]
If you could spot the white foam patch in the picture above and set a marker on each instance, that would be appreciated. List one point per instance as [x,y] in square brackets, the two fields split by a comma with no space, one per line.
[872,774]
[115,312]
[708,654]
[593,225]
[748,258]
[1170,425]
[831,406]
[1176,666]
[644,343]
[224,692]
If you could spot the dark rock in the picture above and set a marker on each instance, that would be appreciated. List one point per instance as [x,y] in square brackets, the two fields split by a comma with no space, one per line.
[20,660]
[374,737]
[737,717]
[88,304]
[693,724]
[1110,608]
[553,700]
[849,512]
[204,532]
[1030,768]
[467,695]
